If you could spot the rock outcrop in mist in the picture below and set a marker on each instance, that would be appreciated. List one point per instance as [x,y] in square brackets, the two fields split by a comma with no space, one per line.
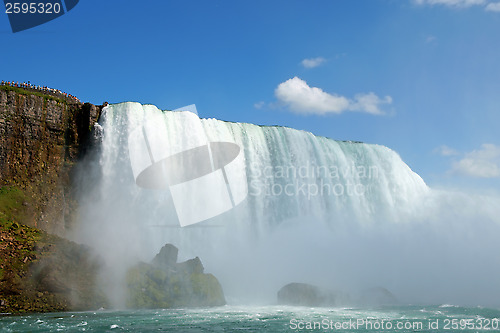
[303,294]
[309,295]
[164,283]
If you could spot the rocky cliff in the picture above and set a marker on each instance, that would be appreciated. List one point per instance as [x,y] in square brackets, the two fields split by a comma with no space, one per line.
[41,138]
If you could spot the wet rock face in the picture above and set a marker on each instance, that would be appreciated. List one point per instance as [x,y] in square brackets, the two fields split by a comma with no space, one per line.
[167,284]
[41,272]
[41,138]
[167,257]
[66,273]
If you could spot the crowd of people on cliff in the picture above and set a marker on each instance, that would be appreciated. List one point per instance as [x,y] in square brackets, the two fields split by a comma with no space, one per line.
[42,89]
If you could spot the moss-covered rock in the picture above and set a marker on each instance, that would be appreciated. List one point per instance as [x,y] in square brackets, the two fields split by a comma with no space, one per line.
[167,284]
[40,272]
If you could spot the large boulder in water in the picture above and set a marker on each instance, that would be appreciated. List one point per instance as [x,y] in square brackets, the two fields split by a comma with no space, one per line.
[377,296]
[167,284]
[167,257]
[308,295]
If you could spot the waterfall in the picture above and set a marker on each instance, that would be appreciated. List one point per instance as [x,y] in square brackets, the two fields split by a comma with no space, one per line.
[299,206]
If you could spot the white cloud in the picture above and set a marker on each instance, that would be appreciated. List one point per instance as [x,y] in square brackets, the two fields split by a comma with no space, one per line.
[444,150]
[493,7]
[301,98]
[488,5]
[482,163]
[313,62]
[369,103]
[430,39]
[451,3]
[259,105]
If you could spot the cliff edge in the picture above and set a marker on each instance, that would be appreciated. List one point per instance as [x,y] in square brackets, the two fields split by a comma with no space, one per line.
[41,138]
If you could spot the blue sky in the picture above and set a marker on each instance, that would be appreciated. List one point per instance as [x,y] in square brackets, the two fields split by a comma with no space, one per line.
[419,76]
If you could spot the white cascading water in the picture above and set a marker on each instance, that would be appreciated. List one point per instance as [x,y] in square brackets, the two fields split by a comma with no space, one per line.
[343,215]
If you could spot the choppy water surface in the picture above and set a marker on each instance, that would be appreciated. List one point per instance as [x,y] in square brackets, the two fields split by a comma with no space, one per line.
[442,318]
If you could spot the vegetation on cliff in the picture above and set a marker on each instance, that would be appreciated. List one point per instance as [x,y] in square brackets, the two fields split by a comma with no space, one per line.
[40,272]
[26,92]
[41,139]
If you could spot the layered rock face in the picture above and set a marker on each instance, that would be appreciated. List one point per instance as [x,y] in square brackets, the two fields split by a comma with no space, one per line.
[41,138]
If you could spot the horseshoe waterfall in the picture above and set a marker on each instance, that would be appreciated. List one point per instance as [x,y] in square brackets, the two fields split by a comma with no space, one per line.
[263,206]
